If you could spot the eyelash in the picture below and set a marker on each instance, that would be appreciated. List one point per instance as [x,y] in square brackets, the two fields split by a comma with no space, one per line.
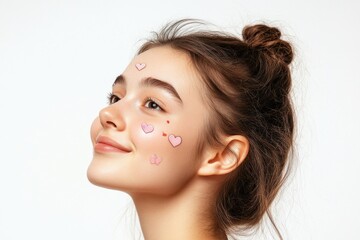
[150,100]
[112,98]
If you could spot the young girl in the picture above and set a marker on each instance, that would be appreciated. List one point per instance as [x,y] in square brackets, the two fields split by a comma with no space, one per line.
[198,131]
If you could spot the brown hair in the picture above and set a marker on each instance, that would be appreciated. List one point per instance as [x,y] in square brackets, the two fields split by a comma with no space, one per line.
[248,85]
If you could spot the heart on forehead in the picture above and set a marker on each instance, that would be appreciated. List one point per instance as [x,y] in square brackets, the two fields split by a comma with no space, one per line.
[147,128]
[175,140]
[140,66]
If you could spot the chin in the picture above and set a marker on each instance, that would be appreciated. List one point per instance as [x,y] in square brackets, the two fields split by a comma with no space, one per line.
[102,177]
[94,176]
[98,176]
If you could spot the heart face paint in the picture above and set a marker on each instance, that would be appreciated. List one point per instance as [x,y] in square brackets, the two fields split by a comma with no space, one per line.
[147,128]
[140,66]
[154,159]
[175,140]
[140,126]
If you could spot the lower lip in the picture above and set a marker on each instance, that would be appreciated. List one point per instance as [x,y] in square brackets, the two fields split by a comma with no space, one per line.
[102,147]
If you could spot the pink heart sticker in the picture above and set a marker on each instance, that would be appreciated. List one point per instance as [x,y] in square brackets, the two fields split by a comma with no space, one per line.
[140,66]
[154,159]
[147,128]
[175,140]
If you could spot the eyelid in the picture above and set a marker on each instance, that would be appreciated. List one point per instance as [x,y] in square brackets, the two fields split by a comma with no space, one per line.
[160,104]
[110,97]
[157,101]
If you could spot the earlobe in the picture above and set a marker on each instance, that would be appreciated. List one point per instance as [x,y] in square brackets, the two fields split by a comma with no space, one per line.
[226,159]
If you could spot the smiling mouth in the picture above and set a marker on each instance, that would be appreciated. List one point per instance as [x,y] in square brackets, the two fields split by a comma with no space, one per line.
[105,144]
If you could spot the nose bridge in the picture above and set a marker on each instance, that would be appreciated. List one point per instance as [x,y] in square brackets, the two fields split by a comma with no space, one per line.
[112,116]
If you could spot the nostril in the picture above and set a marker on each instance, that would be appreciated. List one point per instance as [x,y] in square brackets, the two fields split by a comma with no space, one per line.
[111,123]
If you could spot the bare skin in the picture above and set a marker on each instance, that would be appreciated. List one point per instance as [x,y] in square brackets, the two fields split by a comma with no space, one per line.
[182,216]
[173,186]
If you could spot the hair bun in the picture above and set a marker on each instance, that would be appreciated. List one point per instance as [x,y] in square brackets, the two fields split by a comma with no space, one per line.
[267,38]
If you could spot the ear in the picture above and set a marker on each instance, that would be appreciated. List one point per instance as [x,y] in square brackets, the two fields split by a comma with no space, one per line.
[225,159]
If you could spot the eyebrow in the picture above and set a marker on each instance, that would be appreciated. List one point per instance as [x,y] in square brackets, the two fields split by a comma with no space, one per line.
[152,82]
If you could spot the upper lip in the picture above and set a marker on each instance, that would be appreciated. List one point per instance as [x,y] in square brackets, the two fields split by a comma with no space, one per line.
[109,141]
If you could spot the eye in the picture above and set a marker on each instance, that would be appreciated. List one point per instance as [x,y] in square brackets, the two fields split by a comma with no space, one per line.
[152,104]
[112,98]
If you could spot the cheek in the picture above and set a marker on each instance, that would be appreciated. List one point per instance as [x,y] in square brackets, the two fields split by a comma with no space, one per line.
[95,129]
[158,143]
[148,139]
[165,158]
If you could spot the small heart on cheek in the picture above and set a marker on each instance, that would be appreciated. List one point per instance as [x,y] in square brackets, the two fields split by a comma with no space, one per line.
[164,134]
[175,140]
[147,128]
[154,159]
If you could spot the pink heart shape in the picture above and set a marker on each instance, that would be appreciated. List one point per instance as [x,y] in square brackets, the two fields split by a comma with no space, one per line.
[147,128]
[175,140]
[154,159]
[140,66]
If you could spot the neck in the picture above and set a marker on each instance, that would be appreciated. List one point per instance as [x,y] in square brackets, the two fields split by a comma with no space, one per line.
[184,215]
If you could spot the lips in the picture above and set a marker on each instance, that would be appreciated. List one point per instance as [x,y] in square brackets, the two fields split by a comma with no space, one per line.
[105,144]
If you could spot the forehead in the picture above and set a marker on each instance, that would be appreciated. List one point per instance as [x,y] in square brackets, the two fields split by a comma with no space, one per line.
[170,65]
[165,58]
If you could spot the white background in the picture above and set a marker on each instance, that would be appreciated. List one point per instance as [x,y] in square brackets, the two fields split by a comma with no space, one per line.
[58,60]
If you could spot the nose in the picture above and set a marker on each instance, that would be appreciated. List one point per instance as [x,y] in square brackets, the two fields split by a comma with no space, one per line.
[111,117]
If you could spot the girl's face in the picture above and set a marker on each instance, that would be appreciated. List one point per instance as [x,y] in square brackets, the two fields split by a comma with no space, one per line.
[146,139]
